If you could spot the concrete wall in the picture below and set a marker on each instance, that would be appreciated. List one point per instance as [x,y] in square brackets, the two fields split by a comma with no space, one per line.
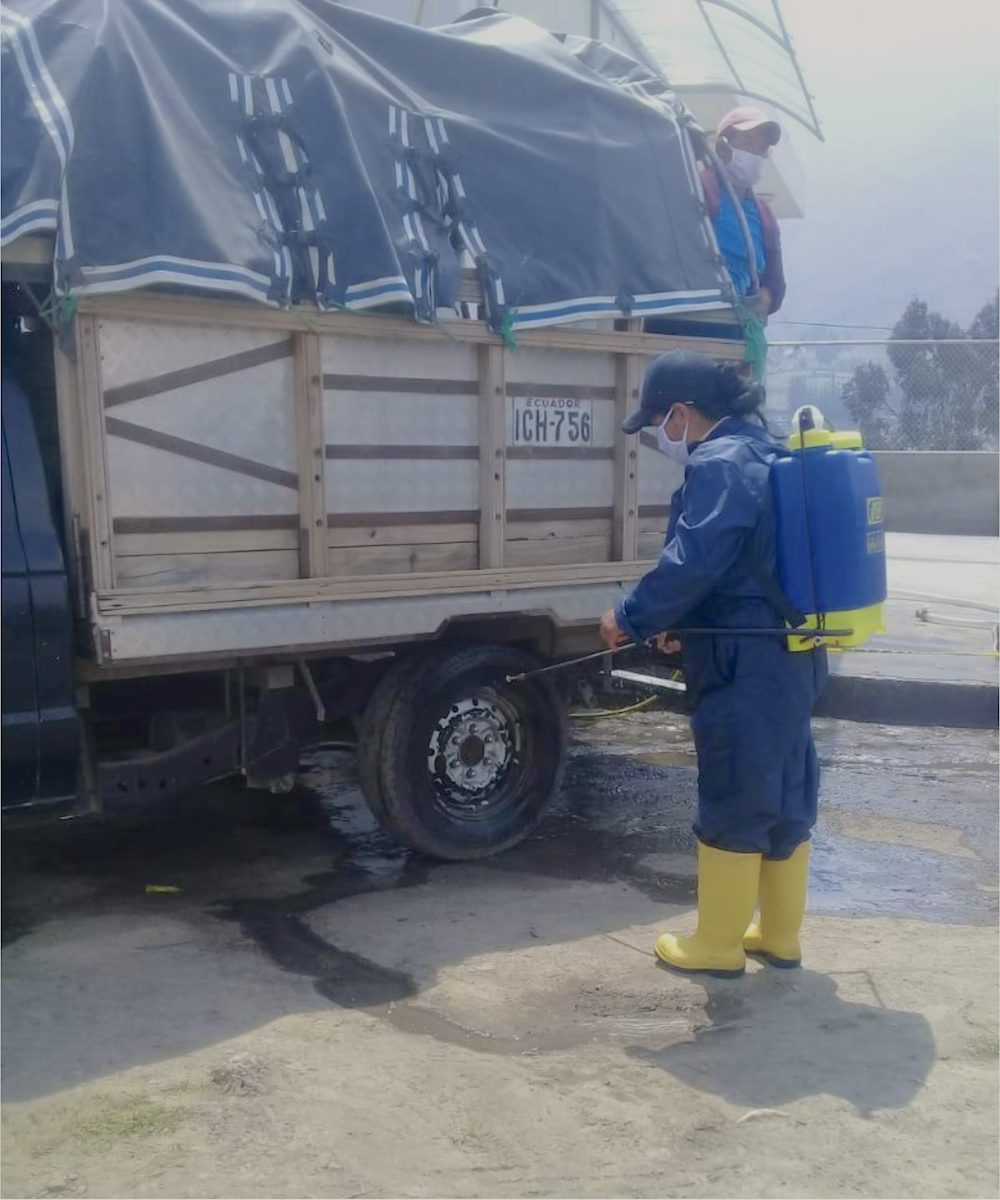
[940,491]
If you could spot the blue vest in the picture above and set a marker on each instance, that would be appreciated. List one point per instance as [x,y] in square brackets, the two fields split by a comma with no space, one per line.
[732,243]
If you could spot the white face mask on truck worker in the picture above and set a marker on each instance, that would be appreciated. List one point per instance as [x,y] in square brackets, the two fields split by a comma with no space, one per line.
[744,169]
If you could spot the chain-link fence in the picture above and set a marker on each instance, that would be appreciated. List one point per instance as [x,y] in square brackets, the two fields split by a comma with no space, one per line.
[901,394]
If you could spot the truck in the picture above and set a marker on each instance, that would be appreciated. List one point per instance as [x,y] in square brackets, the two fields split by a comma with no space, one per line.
[232,523]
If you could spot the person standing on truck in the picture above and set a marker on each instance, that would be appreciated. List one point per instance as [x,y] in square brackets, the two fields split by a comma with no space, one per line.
[758,774]
[742,144]
[743,141]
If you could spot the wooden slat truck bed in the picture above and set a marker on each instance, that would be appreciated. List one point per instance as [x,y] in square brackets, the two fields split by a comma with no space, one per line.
[247,480]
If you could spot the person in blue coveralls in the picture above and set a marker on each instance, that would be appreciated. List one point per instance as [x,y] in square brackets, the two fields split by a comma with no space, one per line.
[758,775]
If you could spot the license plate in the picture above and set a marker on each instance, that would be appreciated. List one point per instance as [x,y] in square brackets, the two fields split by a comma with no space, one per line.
[553,421]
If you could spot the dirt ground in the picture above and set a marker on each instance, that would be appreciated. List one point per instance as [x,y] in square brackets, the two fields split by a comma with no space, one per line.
[318,1013]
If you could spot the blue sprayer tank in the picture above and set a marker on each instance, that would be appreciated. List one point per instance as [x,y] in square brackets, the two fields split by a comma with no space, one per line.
[830,534]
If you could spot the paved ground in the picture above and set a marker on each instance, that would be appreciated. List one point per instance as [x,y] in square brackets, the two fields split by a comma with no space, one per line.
[949,579]
[316,1013]
[935,566]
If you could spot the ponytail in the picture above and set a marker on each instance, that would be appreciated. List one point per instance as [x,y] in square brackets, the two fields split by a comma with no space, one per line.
[734,396]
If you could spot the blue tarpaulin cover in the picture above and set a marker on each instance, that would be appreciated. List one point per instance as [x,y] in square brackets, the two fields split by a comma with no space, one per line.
[296,151]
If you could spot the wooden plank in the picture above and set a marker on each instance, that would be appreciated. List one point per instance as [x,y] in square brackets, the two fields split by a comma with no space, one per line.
[201,372]
[90,393]
[314,591]
[308,377]
[30,249]
[402,535]
[137,306]
[206,524]
[562,391]
[71,461]
[371,520]
[628,379]
[361,520]
[198,452]
[561,453]
[159,570]
[656,524]
[492,456]
[549,552]
[401,384]
[536,531]
[384,530]
[129,545]
[395,560]
[560,514]
[401,453]
[650,544]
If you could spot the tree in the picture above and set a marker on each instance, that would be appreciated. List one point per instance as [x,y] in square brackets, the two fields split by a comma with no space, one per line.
[928,419]
[986,326]
[866,395]
[943,389]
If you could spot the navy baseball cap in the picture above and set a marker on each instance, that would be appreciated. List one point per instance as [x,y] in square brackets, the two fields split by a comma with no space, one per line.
[677,377]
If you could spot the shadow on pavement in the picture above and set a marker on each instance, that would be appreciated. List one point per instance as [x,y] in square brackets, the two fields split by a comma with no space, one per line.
[776,1037]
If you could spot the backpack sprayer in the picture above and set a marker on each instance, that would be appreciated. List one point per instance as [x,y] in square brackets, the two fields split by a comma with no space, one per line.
[830,543]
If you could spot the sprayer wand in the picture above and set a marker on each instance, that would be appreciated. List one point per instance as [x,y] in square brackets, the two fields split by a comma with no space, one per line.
[816,635]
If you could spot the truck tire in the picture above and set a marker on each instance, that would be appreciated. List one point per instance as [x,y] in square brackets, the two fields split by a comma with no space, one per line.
[467,762]
[372,730]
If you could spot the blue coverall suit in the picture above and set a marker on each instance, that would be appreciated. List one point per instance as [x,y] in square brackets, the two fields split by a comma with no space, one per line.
[758,774]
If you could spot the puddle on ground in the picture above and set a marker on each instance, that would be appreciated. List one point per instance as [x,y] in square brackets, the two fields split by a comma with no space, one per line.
[635,1030]
[425,1022]
[670,758]
[919,835]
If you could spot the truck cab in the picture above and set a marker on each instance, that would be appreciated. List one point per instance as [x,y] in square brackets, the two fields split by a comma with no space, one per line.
[40,725]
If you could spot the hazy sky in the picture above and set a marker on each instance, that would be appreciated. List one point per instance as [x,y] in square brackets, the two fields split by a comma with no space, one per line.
[902,197]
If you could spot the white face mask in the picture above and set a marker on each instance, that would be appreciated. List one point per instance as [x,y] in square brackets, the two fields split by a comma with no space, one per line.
[745,169]
[677,450]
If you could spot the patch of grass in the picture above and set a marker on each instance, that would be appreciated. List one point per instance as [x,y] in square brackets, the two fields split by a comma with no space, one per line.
[986,1045]
[183,1088]
[112,1118]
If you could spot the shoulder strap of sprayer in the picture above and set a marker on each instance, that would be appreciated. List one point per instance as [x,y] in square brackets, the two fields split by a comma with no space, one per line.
[750,559]
[771,588]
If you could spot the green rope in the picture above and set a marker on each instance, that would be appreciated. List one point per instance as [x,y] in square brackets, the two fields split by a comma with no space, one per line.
[57,310]
[506,330]
[754,339]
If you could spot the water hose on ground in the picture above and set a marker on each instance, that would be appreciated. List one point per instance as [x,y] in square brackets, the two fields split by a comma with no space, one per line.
[592,714]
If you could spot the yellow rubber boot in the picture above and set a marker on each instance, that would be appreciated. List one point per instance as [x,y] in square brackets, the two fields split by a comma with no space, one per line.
[727,893]
[783,884]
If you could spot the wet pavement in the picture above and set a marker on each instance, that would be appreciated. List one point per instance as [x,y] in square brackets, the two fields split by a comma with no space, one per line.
[909,830]
[302,1007]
